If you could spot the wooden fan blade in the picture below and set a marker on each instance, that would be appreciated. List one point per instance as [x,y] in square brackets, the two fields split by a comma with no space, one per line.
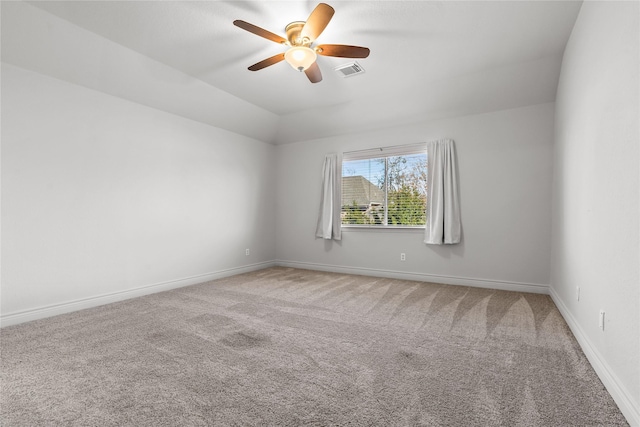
[342,51]
[317,21]
[259,31]
[313,72]
[267,62]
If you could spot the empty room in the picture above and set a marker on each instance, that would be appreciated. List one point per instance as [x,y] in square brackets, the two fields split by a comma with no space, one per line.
[285,213]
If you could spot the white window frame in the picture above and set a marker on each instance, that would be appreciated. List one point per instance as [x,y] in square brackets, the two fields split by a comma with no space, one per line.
[376,153]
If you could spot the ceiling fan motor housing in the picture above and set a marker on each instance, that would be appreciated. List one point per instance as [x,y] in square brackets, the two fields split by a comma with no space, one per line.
[293,31]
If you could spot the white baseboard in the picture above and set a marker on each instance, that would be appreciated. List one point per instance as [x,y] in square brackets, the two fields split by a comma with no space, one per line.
[619,393]
[81,304]
[422,277]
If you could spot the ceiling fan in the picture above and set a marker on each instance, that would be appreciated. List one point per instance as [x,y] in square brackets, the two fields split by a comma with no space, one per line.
[301,54]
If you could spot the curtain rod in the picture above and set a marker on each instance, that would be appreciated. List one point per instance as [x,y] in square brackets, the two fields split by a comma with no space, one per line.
[415,144]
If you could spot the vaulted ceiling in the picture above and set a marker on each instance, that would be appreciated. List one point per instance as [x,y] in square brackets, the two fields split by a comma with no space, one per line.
[429,59]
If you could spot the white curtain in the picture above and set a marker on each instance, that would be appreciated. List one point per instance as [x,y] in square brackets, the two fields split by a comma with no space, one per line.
[443,205]
[329,216]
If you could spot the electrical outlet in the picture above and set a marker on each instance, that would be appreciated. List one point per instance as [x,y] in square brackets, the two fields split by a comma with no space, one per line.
[246,252]
[403,257]
[601,321]
[577,293]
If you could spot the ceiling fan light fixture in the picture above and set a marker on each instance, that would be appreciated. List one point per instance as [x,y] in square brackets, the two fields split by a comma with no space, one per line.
[300,57]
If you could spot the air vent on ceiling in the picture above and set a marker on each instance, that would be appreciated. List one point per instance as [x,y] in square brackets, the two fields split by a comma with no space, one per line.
[350,69]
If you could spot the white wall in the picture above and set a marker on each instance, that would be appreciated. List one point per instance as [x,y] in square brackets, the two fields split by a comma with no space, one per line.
[596,194]
[102,196]
[505,182]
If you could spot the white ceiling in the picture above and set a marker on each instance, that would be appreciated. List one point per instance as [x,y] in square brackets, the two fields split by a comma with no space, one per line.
[428,59]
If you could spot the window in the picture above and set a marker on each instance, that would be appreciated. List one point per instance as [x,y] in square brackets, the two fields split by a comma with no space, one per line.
[385,187]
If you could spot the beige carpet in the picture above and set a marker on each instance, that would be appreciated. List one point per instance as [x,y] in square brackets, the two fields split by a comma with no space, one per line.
[287,347]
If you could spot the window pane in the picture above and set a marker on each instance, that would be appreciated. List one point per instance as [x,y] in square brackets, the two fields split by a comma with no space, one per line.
[363,191]
[367,199]
[407,189]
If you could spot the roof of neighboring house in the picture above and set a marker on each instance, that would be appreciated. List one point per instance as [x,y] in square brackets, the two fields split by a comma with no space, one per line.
[360,190]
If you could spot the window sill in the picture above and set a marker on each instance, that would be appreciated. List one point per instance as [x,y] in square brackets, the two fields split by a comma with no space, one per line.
[367,228]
